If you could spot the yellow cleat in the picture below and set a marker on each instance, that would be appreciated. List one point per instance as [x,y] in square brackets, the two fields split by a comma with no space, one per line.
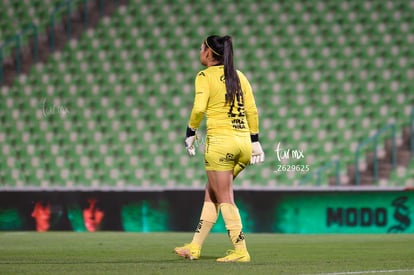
[188,251]
[235,256]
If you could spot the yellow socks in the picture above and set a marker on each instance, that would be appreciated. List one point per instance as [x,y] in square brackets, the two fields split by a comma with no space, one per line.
[233,223]
[208,218]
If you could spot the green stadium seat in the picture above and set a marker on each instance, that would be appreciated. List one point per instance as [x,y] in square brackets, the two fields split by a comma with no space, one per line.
[323,81]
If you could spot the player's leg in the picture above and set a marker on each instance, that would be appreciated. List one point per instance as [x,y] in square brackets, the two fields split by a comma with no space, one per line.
[221,184]
[238,168]
[208,218]
[240,254]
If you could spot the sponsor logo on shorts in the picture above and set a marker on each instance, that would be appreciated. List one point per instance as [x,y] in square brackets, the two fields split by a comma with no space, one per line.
[229,157]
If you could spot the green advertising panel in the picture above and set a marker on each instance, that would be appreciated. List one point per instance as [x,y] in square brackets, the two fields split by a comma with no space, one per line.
[300,212]
[10,219]
[345,212]
[144,216]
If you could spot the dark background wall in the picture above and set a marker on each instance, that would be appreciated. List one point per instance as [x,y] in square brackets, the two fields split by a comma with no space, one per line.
[261,211]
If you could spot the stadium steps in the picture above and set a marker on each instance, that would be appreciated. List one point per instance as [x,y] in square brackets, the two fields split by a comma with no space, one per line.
[385,166]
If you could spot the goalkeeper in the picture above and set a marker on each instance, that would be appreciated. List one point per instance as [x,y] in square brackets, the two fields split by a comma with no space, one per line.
[225,97]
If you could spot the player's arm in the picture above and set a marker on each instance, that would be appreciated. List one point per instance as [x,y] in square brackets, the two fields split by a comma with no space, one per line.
[202,94]
[252,117]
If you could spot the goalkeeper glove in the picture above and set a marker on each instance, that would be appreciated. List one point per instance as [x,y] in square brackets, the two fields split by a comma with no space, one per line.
[258,155]
[190,138]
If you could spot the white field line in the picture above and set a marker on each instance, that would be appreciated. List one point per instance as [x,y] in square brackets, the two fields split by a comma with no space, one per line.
[366,272]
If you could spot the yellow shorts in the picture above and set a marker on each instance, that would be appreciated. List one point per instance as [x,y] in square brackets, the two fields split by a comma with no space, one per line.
[226,152]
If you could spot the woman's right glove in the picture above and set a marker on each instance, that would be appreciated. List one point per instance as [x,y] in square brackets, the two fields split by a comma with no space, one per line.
[258,155]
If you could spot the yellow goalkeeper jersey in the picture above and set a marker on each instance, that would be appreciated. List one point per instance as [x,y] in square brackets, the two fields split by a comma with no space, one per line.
[210,100]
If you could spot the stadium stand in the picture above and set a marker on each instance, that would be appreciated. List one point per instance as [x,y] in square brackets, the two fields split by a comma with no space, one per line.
[106,108]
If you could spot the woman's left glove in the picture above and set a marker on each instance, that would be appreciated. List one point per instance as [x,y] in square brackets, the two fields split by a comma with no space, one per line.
[190,138]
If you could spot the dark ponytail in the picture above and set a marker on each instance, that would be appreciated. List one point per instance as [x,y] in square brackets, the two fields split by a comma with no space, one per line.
[222,48]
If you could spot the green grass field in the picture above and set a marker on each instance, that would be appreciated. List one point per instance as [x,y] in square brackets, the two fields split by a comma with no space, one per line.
[151,253]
